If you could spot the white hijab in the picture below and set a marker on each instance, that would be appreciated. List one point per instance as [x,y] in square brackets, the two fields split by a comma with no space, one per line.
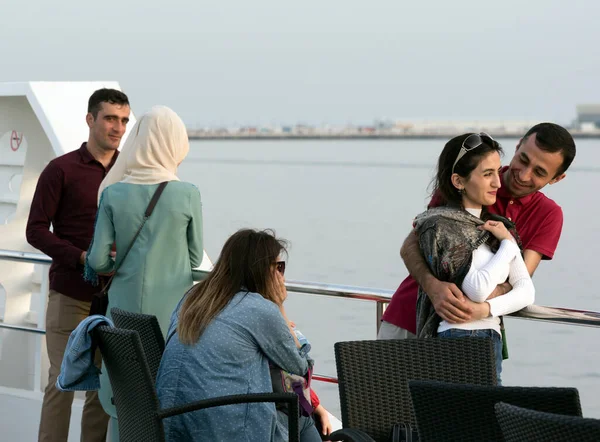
[156,145]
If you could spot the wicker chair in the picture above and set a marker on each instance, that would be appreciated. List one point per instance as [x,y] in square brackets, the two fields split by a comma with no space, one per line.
[454,412]
[151,336]
[140,418]
[373,380]
[524,425]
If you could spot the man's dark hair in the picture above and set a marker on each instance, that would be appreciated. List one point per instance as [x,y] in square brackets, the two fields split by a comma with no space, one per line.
[553,138]
[111,96]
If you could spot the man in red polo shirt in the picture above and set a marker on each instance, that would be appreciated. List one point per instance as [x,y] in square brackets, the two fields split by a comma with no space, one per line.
[542,157]
[66,197]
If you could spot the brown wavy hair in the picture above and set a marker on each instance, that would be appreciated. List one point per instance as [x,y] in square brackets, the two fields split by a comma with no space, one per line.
[245,263]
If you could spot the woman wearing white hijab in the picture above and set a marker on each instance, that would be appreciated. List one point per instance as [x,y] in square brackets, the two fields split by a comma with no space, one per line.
[157,272]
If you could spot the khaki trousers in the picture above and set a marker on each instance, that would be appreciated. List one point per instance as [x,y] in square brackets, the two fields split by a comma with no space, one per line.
[62,317]
[390,331]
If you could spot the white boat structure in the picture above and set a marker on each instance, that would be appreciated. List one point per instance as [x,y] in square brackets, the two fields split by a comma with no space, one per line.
[40,121]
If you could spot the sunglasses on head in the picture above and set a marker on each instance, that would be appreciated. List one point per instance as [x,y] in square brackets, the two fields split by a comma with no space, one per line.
[280,265]
[471,142]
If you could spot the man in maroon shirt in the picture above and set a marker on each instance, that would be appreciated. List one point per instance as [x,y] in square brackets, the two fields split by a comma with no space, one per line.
[542,157]
[66,197]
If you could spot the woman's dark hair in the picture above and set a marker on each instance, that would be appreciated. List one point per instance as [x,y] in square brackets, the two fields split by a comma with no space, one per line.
[245,263]
[442,183]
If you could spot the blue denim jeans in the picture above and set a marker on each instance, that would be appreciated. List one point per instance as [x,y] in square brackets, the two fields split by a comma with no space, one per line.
[306,425]
[486,333]
[308,430]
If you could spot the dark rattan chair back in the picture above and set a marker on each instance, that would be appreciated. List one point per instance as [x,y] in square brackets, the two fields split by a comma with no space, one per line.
[373,376]
[457,412]
[132,383]
[148,328]
[134,394]
[524,425]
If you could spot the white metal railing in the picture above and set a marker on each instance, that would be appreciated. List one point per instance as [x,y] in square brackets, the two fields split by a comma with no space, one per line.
[380,296]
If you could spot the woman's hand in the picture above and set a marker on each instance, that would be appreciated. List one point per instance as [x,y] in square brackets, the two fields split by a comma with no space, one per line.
[481,310]
[279,287]
[497,229]
[324,418]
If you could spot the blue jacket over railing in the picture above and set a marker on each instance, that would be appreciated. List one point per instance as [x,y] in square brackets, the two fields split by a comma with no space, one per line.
[78,371]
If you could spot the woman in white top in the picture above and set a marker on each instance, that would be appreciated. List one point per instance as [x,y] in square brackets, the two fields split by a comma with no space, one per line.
[465,244]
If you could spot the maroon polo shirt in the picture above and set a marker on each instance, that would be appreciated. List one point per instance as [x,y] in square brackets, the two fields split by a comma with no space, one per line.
[66,197]
[539,222]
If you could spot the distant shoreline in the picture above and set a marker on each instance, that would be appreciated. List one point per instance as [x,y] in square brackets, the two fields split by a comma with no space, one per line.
[192,135]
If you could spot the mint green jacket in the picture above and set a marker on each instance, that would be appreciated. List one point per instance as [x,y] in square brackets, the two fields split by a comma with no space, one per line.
[157,272]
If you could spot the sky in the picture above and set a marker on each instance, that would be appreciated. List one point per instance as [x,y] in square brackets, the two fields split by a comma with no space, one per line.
[270,62]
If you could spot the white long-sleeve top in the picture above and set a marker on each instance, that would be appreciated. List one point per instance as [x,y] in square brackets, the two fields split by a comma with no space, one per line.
[486,272]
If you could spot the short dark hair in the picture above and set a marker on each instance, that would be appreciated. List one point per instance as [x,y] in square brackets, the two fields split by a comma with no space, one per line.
[442,183]
[105,95]
[553,138]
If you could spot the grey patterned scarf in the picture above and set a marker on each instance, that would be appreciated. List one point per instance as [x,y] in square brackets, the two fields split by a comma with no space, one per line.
[447,238]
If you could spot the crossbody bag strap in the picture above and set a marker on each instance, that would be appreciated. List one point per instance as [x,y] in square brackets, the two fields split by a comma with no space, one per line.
[147,213]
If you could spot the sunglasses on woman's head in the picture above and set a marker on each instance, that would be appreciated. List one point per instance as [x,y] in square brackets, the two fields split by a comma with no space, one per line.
[471,142]
[280,267]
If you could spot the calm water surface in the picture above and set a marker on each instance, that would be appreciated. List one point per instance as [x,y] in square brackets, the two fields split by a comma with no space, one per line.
[346,207]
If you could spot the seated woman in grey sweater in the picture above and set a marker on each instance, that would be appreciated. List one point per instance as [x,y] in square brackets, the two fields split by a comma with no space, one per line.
[222,336]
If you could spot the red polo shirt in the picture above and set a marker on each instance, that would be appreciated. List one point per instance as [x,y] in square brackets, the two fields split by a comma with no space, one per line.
[66,197]
[539,222]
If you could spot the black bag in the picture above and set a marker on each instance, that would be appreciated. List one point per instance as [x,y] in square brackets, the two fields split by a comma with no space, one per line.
[100,300]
